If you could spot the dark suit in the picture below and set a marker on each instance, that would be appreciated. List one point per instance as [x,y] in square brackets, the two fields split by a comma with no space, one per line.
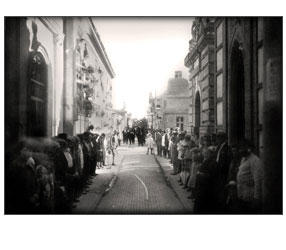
[223,158]
[159,143]
[205,187]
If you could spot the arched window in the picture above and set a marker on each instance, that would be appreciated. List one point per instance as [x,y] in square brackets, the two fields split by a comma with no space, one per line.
[37,95]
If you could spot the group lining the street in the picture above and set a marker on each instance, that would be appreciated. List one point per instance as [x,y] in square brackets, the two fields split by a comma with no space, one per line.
[220,178]
[47,176]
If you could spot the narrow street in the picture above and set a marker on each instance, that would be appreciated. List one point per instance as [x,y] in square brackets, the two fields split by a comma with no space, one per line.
[140,188]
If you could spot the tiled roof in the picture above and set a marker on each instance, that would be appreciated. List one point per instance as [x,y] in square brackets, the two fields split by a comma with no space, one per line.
[177,86]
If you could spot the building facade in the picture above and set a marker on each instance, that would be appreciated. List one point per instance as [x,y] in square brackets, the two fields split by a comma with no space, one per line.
[119,120]
[57,77]
[241,91]
[200,61]
[88,75]
[171,109]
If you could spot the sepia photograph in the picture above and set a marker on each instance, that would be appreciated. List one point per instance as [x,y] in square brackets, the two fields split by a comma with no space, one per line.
[143,115]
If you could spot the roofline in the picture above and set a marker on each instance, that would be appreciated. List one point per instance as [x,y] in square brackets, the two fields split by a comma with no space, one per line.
[101,51]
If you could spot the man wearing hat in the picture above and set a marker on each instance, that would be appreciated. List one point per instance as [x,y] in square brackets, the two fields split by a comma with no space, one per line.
[90,128]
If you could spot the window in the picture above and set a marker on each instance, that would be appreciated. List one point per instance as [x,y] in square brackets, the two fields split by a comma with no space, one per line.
[260,64]
[260,143]
[219,113]
[219,35]
[259,29]
[196,63]
[180,122]
[219,59]
[260,78]
[260,106]
[219,85]
[38,96]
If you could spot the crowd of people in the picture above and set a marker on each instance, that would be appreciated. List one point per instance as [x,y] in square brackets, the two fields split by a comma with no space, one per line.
[131,133]
[47,176]
[219,178]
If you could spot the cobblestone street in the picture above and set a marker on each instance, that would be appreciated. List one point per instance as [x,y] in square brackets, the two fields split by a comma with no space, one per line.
[140,188]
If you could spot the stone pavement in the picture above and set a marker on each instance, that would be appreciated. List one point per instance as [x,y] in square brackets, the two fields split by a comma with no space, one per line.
[173,179]
[100,183]
[138,184]
[141,188]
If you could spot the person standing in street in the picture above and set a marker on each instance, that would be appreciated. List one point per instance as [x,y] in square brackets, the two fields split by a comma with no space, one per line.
[102,143]
[205,184]
[119,136]
[163,148]
[174,152]
[124,134]
[249,179]
[150,143]
[232,199]
[158,140]
[109,158]
[223,159]
[180,148]
[167,139]
[113,146]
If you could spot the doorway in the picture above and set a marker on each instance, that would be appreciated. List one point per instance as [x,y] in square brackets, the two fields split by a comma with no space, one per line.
[237,96]
[197,113]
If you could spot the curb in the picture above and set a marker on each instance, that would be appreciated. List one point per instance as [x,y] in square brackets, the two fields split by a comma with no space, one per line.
[112,182]
[169,183]
[102,193]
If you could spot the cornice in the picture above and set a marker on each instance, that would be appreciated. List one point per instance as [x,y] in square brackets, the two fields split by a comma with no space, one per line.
[95,38]
[52,26]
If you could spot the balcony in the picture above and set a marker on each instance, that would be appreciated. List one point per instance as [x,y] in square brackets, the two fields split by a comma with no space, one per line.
[206,37]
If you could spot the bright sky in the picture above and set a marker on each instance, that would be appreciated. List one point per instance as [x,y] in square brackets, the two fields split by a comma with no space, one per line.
[144,53]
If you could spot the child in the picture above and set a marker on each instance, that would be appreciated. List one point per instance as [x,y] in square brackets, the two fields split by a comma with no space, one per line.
[108,158]
[197,159]
[150,143]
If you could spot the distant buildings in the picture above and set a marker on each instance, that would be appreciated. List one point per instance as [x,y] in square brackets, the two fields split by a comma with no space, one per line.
[171,109]
[120,119]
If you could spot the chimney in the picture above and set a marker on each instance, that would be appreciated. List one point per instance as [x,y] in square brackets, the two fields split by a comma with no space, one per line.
[178,74]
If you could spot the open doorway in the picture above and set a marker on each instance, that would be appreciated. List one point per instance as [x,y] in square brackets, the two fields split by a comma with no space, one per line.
[197,113]
[237,96]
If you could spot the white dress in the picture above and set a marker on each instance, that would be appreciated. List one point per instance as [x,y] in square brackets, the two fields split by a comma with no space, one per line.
[150,142]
